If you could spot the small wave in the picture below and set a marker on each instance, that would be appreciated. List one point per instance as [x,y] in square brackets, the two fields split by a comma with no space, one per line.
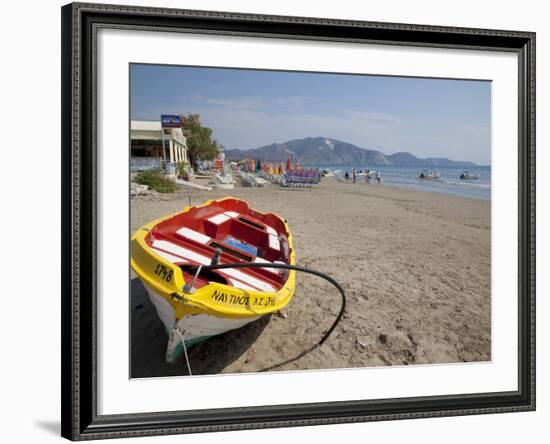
[469,184]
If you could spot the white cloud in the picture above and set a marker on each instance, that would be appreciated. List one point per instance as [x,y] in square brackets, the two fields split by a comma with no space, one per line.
[255,103]
[250,121]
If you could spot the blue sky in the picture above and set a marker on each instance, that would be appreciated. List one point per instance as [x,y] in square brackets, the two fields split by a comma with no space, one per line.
[252,108]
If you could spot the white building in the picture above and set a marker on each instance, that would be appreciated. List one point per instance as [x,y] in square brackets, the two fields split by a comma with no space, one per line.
[146,145]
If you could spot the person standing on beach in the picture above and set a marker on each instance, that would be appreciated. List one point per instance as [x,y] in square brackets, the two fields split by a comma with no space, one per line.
[367,176]
[354,175]
[378,177]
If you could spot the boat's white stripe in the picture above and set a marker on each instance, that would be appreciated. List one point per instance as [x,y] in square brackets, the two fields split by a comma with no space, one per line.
[199,258]
[169,257]
[271,230]
[182,252]
[194,235]
[218,218]
[241,285]
[261,260]
[174,259]
[274,242]
[231,214]
[248,279]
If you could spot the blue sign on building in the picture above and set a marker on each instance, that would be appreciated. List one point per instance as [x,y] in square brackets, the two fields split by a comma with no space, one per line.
[170,121]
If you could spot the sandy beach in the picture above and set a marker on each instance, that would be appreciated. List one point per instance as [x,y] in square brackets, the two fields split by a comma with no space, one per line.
[415,266]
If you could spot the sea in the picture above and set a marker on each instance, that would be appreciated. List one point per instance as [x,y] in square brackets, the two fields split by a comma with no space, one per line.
[408,177]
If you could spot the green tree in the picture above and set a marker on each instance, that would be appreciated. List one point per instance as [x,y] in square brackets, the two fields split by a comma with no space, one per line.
[200,144]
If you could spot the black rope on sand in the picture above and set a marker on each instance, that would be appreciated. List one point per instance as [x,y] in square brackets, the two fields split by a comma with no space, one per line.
[295,268]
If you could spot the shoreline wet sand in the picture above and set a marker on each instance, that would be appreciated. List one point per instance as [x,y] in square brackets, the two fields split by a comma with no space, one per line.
[416,267]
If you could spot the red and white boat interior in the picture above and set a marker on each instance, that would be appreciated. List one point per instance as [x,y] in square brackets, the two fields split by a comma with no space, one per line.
[228,226]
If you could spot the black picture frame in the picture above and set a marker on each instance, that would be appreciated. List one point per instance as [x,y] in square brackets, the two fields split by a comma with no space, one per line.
[79,171]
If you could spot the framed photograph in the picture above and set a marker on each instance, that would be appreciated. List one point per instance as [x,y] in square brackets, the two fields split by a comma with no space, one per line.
[279,221]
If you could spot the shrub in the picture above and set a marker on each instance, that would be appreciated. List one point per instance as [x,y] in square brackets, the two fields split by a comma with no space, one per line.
[156,180]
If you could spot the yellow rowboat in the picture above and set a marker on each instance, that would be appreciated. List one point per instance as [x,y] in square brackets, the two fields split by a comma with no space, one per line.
[168,255]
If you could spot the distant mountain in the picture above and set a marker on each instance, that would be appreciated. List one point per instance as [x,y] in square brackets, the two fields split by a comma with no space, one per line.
[326,151]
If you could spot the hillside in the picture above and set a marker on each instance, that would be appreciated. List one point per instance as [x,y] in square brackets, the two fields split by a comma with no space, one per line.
[327,151]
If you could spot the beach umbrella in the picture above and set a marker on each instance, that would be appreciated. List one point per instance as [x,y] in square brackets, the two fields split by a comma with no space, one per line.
[288,164]
[281,168]
[258,165]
